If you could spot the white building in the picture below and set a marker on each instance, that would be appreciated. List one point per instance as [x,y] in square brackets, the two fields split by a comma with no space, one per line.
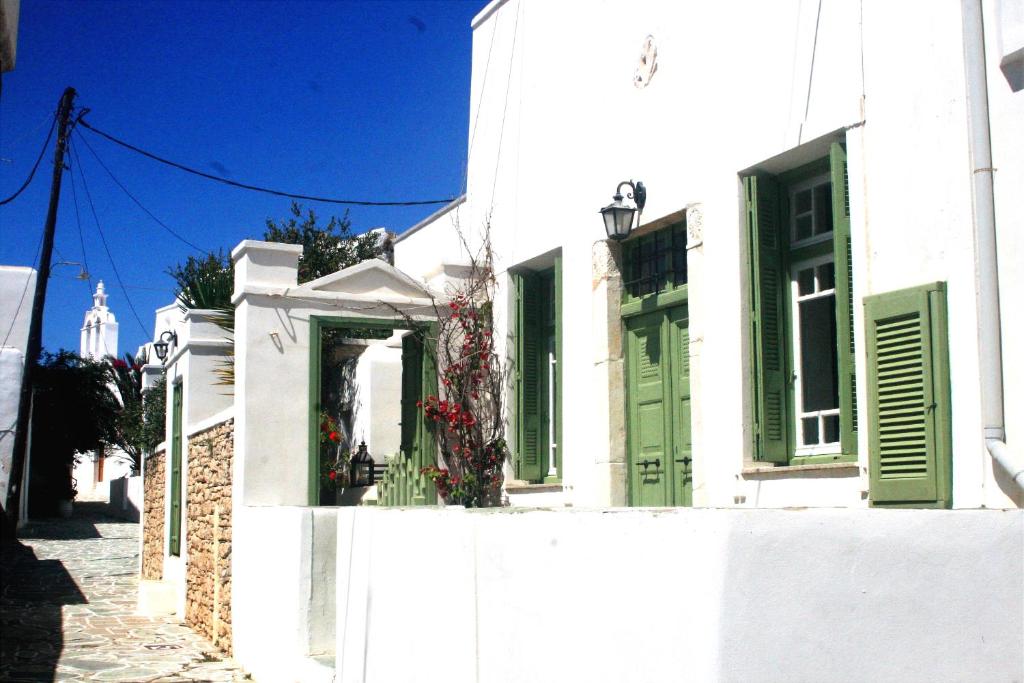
[94,471]
[806,319]
[855,130]
[17,286]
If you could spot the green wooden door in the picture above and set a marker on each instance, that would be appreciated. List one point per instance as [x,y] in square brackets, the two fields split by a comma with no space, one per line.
[659,455]
[682,443]
[175,521]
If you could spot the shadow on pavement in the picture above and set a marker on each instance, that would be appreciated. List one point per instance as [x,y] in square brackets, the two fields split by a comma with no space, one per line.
[32,592]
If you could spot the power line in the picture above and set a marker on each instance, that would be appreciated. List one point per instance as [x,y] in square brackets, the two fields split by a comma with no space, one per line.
[103,238]
[137,202]
[21,300]
[246,186]
[81,237]
[35,166]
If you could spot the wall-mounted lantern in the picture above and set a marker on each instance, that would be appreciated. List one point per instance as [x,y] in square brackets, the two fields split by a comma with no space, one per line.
[618,217]
[160,346]
[362,467]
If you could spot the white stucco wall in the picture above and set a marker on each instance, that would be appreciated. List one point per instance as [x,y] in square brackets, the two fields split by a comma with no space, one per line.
[202,348]
[283,589]
[272,358]
[379,410]
[686,595]
[16,288]
[549,145]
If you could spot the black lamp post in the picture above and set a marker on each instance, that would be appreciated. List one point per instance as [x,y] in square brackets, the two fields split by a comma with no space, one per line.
[618,217]
[362,467]
[160,346]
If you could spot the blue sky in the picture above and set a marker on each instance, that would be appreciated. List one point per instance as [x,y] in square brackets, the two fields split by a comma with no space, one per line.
[362,100]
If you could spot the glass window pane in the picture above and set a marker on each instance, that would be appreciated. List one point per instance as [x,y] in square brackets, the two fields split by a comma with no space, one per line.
[831,428]
[805,282]
[810,430]
[826,276]
[818,366]
[823,209]
[803,227]
[802,201]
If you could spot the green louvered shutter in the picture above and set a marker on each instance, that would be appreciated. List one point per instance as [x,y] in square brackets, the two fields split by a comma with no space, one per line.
[844,300]
[412,359]
[767,319]
[528,398]
[427,341]
[174,540]
[909,397]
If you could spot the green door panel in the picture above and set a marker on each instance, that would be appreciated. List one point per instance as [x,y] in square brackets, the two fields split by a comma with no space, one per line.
[682,451]
[658,408]
[174,542]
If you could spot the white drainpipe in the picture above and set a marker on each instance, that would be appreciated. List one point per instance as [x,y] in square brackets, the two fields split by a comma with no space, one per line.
[989,326]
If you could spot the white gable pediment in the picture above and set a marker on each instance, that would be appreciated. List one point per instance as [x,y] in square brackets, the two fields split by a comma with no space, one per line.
[370,280]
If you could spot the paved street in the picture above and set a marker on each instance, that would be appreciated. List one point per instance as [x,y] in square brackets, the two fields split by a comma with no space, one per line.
[67,610]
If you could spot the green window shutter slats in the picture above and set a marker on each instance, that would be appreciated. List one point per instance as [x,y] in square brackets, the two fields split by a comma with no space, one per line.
[908,395]
[528,399]
[770,380]
[174,540]
[846,353]
[411,392]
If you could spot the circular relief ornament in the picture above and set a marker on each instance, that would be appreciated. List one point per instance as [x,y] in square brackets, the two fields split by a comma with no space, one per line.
[648,63]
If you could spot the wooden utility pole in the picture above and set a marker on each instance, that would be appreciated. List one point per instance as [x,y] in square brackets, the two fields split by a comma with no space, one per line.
[35,329]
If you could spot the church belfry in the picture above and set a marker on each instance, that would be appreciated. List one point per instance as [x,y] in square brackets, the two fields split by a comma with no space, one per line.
[99,332]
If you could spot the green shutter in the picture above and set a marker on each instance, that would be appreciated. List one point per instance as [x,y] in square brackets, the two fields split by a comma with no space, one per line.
[175,525]
[765,235]
[529,441]
[557,409]
[909,397]
[844,300]
[428,387]
[412,374]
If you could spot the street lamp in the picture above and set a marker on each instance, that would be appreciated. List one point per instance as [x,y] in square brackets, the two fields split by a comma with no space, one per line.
[618,217]
[160,346]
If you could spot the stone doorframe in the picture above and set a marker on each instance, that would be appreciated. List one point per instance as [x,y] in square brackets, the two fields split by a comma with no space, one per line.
[609,354]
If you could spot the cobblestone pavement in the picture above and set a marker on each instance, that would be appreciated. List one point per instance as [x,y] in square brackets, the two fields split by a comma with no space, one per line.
[67,604]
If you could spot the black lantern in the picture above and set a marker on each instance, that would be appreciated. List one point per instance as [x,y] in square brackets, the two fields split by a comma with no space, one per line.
[362,467]
[160,346]
[618,217]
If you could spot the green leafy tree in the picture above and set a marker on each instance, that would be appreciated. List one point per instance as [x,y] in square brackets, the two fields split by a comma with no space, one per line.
[326,248]
[73,410]
[139,424]
[208,282]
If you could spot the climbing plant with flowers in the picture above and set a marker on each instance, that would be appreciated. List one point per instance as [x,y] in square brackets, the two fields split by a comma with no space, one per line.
[467,414]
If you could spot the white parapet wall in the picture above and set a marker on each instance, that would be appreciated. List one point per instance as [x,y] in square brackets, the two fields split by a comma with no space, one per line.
[679,594]
[283,600]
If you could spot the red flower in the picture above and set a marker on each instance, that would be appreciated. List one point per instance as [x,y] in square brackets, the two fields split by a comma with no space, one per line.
[419,404]
[333,475]
[334,436]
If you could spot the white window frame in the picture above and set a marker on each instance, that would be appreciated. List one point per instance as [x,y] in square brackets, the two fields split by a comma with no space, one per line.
[799,414]
[809,184]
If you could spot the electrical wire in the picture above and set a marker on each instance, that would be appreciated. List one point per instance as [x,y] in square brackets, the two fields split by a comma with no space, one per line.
[504,113]
[35,166]
[137,202]
[21,300]
[103,239]
[479,102]
[246,186]
[81,237]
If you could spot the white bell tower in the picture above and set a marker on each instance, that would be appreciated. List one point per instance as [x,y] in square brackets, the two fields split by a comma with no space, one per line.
[99,333]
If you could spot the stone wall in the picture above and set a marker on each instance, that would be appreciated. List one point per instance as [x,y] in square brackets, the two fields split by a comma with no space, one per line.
[153,517]
[208,572]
